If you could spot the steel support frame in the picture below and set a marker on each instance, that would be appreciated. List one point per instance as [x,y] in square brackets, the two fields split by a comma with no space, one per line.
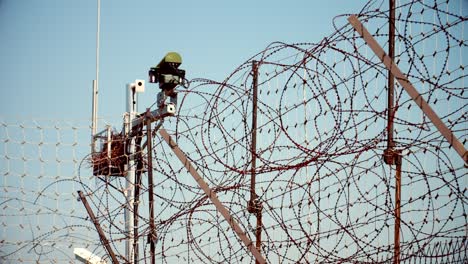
[212,196]
[133,123]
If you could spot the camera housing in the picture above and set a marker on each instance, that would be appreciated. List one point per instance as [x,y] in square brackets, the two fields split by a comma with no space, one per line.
[170,108]
[139,86]
[167,72]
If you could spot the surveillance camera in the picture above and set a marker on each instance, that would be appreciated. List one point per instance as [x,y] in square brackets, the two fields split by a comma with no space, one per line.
[167,72]
[140,86]
[84,256]
[171,108]
[171,60]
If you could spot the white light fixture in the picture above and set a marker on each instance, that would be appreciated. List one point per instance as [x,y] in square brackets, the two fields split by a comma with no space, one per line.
[84,256]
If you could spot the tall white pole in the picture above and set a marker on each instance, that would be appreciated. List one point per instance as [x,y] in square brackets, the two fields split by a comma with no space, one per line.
[130,185]
[97,40]
[96,83]
[94,118]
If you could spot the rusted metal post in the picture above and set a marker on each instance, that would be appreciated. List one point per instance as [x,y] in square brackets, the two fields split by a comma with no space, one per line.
[254,206]
[253,148]
[391,79]
[409,88]
[137,188]
[258,232]
[102,236]
[212,196]
[396,256]
[149,149]
[135,216]
[392,157]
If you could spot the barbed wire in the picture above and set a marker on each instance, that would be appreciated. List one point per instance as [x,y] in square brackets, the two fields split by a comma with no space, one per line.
[327,194]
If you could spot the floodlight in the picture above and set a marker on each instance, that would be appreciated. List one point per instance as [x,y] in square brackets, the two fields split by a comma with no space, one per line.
[85,256]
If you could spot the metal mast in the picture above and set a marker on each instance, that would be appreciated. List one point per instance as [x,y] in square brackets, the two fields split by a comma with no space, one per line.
[254,206]
[130,247]
[391,155]
[96,83]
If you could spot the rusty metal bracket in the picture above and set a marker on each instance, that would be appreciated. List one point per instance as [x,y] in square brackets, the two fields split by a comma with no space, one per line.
[392,156]
[212,196]
[254,206]
[406,84]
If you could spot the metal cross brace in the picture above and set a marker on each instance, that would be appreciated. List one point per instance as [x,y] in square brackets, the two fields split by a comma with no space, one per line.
[102,236]
[413,93]
[213,197]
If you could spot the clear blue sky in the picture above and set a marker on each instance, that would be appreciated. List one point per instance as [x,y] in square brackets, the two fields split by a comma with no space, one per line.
[48,47]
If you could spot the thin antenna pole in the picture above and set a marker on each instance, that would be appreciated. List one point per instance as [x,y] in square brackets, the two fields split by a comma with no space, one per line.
[96,83]
[97,41]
